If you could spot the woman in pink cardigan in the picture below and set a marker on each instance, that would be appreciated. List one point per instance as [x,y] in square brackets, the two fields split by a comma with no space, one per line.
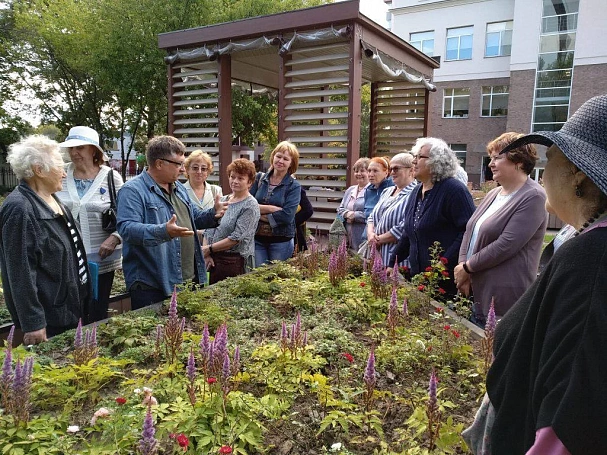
[501,248]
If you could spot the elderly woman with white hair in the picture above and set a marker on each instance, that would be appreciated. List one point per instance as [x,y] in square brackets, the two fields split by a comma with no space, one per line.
[437,210]
[42,256]
[386,223]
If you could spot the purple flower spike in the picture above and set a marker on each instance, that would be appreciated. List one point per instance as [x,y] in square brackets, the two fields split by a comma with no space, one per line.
[432,400]
[205,345]
[297,328]
[182,326]
[7,367]
[221,342]
[94,338]
[394,302]
[78,342]
[148,445]
[405,307]
[369,376]
[191,368]
[236,363]
[491,321]
[159,334]
[173,305]
[225,371]
[395,273]
[9,339]
[305,339]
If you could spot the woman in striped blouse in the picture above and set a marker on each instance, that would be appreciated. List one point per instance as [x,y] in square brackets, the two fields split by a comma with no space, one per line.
[386,223]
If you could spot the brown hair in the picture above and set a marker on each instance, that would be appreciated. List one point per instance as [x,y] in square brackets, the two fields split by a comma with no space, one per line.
[286,146]
[361,163]
[244,167]
[525,155]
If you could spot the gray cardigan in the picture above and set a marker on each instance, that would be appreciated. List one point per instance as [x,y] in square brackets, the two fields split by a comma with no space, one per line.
[506,255]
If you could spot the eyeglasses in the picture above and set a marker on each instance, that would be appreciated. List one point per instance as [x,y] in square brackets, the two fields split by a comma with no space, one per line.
[398,168]
[419,157]
[176,163]
[199,169]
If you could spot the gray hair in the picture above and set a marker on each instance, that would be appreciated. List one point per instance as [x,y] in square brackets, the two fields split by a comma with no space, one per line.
[404,158]
[442,162]
[32,151]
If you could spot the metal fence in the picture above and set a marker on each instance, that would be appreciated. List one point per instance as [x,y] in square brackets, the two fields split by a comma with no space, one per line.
[8,179]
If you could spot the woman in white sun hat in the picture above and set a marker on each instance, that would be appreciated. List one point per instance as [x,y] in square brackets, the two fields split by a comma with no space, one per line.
[86,193]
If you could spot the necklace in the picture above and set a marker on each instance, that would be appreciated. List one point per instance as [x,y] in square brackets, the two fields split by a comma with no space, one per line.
[590,220]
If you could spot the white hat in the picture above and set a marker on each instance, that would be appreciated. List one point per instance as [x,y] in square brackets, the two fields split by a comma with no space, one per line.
[83,135]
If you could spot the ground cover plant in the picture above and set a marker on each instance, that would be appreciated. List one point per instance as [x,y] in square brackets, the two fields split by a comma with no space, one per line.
[313,356]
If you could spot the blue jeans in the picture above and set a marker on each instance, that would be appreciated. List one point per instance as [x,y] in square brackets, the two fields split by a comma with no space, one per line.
[266,252]
[141,298]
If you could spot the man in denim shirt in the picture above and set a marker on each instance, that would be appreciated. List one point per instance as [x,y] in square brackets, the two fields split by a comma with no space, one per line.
[157,222]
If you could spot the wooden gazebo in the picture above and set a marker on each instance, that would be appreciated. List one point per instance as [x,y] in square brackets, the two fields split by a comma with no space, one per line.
[317,61]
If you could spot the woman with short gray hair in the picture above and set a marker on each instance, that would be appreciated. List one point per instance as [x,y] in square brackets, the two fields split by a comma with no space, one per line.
[437,211]
[43,260]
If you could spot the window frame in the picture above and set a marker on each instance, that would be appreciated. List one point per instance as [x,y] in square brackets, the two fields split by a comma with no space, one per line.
[491,96]
[422,41]
[501,38]
[459,41]
[452,96]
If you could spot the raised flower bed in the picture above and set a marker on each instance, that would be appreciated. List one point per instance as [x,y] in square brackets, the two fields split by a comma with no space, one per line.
[289,359]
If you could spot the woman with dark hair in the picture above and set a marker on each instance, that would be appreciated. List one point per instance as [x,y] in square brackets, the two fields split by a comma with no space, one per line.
[437,210]
[546,387]
[278,194]
[501,248]
[45,277]
[229,249]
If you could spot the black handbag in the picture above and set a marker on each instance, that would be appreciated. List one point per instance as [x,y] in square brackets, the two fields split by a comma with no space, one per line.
[108,216]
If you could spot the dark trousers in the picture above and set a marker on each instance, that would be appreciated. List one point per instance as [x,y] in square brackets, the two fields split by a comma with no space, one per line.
[226,265]
[100,306]
[141,297]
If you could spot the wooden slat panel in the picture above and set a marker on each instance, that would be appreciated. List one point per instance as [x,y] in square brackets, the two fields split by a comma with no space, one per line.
[304,150]
[319,70]
[335,115]
[314,226]
[209,150]
[407,117]
[321,105]
[194,73]
[324,47]
[317,82]
[193,121]
[194,82]
[202,65]
[197,130]
[325,205]
[199,140]
[320,161]
[207,91]
[196,111]
[330,216]
[321,172]
[319,128]
[397,147]
[195,102]
[304,139]
[323,183]
[325,194]
[318,58]
[316,93]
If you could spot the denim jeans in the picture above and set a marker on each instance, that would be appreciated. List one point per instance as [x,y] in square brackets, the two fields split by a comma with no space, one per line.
[266,252]
[141,298]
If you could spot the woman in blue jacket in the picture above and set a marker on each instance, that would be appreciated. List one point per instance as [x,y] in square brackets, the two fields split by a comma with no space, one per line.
[278,195]
[437,210]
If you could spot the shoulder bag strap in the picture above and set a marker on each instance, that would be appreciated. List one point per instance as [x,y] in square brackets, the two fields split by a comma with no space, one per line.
[111,189]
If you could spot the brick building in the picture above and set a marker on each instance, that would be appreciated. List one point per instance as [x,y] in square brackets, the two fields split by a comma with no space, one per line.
[506,65]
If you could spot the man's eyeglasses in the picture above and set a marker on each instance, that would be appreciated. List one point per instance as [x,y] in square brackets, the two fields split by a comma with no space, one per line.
[176,163]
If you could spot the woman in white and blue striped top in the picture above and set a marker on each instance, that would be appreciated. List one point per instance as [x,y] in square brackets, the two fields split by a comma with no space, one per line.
[386,222]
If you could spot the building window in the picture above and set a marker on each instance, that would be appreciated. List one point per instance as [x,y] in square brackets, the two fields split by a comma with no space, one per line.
[499,39]
[460,153]
[459,43]
[494,101]
[424,41]
[455,102]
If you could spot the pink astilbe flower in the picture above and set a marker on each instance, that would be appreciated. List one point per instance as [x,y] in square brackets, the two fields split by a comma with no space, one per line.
[487,342]
[173,330]
[284,337]
[395,273]
[6,379]
[78,340]
[370,379]
[379,278]
[491,320]
[191,367]
[22,384]
[405,307]
[85,347]
[225,374]
[205,347]
[333,269]
[158,340]
[148,445]
[432,410]
[297,329]
[304,342]
[393,312]
[236,361]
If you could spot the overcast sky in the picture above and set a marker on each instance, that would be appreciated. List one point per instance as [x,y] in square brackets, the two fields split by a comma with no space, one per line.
[375,10]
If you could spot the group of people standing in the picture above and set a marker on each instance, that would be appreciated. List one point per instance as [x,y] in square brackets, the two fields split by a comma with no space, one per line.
[545,389]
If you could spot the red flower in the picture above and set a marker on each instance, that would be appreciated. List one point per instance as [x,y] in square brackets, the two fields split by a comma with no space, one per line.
[439,310]
[120,400]
[225,449]
[182,440]
[445,273]
[442,291]
[429,268]
[429,348]
[421,287]
[444,260]
[347,356]
[447,327]
[455,333]
[172,435]
[403,268]
[363,284]
[211,380]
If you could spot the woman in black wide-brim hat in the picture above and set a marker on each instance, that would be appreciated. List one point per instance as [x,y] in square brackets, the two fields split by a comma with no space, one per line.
[546,387]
